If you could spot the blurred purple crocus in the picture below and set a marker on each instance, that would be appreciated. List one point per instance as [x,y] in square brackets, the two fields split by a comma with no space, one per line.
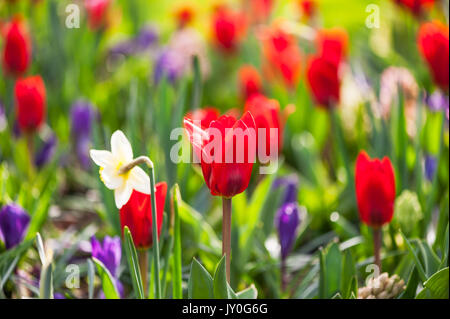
[169,64]
[146,37]
[437,101]
[430,165]
[82,116]
[2,117]
[287,222]
[14,223]
[45,154]
[291,184]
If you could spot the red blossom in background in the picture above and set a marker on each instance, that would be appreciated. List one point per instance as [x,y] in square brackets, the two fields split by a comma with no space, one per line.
[96,11]
[228,28]
[224,178]
[417,7]
[205,116]
[375,190]
[250,82]
[260,10]
[17,48]
[282,55]
[332,44]
[184,15]
[308,8]
[267,115]
[30,103]
[433,42]
[137,215]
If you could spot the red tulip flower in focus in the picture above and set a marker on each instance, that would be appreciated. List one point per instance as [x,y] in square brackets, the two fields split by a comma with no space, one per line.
[250,82]
[97,12]
[282,55]
[226,150]
[16,55]
[30,103]
[205,116]
[433,42]
[267,115]
[228,28]
[375,195]
[417,7]
[137,215]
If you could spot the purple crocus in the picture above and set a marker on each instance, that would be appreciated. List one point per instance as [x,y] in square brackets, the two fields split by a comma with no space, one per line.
[14,223]
[169,64]
[437,101]
[291,184]
[109,252]
[146,37]
[430,165]
[287,221]
[46,152]
[3,122]
[82,116]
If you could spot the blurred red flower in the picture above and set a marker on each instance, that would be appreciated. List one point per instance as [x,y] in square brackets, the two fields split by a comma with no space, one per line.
[17,48]
[332,44]
[417,7]
[375,190]
[184,14]
[30,103]
[96,11]
[433,42]
[137,215]
[205,116]
[282,54]
[250,82]
[308,8]
[228,28]
[225,176]
[260,10]
[267,115]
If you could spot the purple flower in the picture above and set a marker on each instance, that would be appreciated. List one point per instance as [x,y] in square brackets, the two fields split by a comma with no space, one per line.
[430,166]
[291,184]
[58,295]
[82,116]
[437,101]
[46,152]
[287,221]
[109,253]
[13,224]
[145,39]
[169,64]
[3,122]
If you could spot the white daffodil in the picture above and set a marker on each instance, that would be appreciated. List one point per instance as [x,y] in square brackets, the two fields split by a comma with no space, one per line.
[110,164]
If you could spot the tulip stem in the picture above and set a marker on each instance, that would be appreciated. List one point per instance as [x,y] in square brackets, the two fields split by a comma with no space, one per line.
[377,246]
[155,233]
[143,265]
[30,150]
[226,234]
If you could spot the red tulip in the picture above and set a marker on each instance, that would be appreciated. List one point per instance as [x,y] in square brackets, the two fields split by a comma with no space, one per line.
[205,116]
[96,11]
[433,42]
[417,7]
[228,28]
[184,15]
[17,48]
[225,176]
[249,81]
[308,7]
[260,10]
[282,54]
[332,44]
[137,215]
[30,103]
[324,81]
[267,115]
[375,190]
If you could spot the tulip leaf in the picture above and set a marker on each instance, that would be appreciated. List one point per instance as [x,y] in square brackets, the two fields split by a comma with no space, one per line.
[107,280]
[220,280]
[200,284]
[419,266]
[177,262]
[133,264]
[41,250]
[330,271]
[436,287]
[348,276]
[248,293]
[411,287]
[46,282]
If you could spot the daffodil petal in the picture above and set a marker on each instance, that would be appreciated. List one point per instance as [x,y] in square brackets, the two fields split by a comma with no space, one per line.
[121,147]
[110,178]
[139,180]
[122,195]
[102,158]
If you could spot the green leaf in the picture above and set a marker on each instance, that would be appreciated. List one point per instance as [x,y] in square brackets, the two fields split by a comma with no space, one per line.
[41,250]
[46,282]
[248,293]
[348,274]
[220,280]
[200,285]
[419,266]
[437,286]
[411,287]
[330,271]
[108,282]
[91,276]
[177,263]
[133,264]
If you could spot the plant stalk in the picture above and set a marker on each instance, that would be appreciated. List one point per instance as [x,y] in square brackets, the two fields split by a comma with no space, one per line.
[377,246]
[226,234]
[143,265]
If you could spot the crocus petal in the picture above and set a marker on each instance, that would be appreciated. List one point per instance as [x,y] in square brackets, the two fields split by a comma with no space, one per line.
[121,147]
[139,180]
[102,158]
[122,195]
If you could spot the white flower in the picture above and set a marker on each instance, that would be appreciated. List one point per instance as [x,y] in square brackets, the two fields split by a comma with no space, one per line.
[110,163]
